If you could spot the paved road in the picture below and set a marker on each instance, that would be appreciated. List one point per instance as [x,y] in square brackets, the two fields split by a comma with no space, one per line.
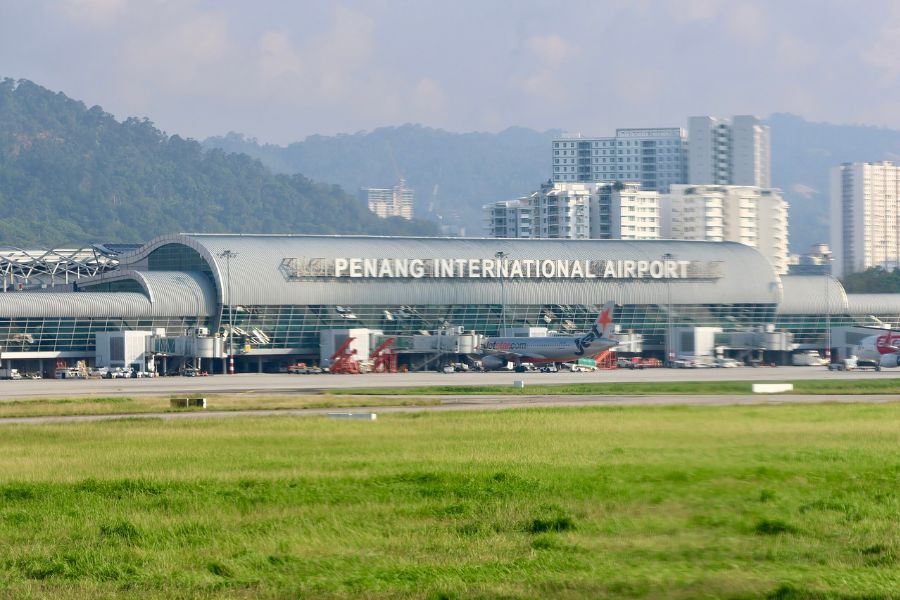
[458,403]
[306,384]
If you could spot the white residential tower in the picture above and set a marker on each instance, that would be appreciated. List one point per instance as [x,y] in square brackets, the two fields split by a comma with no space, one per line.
[729,152]
[865,216]
[747,214]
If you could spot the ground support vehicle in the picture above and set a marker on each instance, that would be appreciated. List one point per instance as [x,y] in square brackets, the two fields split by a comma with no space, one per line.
[8,373]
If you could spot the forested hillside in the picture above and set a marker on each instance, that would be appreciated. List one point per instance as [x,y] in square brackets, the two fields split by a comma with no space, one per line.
[453,174]
[73,175]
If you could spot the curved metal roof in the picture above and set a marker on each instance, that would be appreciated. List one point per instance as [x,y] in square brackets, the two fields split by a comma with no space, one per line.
[256,279]
[17,305]
[805,295]
[165,294]
[172,292]
[874,304]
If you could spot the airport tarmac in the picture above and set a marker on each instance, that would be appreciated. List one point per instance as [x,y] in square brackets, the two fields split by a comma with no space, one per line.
[310,384]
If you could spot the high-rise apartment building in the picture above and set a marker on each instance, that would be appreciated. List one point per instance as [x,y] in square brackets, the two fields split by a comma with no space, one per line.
[510,218]
[554,211]
[562,212]
[694,213]
[729,152]
[390,202]
[621,211]
[656,158]
[747,214]
[865,216]
[600,210]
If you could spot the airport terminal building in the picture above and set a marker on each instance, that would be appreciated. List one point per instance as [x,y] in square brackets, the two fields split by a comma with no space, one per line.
[280,295]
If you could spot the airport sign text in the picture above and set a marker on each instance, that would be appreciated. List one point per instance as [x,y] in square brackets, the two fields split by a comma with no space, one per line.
[494,268]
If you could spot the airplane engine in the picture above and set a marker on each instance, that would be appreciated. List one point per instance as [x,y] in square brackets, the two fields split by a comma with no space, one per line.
[492,363]
[888,361]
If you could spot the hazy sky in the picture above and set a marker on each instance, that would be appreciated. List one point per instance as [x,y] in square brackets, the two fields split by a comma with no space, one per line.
[280,70]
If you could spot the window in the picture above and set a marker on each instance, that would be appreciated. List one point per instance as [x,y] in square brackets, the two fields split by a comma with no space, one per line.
[177,257]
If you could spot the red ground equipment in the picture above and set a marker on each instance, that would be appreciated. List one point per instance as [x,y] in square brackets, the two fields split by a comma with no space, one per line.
[383,358]
[343,361]
[606,360]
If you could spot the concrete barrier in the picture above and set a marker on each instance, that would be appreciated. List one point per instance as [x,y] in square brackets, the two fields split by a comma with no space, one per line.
[772,388]
[188,402]
[360,416]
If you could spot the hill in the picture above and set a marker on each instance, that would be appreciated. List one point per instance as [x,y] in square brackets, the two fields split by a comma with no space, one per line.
[472,169]
[803,154]
[74,175]
[453,174]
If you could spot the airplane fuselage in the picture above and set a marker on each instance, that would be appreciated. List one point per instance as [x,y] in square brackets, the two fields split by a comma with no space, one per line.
[498,351]
[562,348]
[880,351]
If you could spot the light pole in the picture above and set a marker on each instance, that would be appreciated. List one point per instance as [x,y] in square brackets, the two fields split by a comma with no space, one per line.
[228,255]
[828,258]
[501,257]
[668,349]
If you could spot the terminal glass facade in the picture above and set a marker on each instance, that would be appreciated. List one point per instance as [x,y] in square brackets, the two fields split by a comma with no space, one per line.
[177,257]
[78,335]
[298,327]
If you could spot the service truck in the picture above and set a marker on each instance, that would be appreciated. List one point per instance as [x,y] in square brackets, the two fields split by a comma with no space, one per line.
[8,373]
[810,358]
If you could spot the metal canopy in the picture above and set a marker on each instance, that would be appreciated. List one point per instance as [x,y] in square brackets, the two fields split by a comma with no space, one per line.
[23,269]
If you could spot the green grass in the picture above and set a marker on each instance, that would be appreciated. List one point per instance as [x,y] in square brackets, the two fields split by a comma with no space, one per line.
[60,407]
[694,388]
[791,502]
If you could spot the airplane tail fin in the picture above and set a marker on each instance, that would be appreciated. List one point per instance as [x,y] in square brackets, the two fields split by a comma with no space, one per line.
[605,320]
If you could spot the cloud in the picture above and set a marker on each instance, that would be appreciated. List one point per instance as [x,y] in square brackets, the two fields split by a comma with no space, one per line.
[550,50]
[804,191]
[278,60]
[285,69]
[328,66]
[795,53]
[883,50]
[690,10]
[428,98]
[184,54]
[94,13]
[546,57]
[748,22]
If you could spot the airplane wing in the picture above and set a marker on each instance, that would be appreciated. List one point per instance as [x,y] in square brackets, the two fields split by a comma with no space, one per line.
[517,356]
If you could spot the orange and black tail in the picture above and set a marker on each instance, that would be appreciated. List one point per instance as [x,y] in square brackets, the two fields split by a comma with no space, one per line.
[604,322]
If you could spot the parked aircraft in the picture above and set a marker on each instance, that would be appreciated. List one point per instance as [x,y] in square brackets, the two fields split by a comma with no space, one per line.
[498,351]
[880,351]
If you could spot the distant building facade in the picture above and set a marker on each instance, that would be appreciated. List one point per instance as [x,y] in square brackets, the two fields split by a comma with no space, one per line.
[865,216]
[654,157]
[599,210]
[390,202]
[815,262]
[729,152]
[622,211]
[510,219]
[750,215]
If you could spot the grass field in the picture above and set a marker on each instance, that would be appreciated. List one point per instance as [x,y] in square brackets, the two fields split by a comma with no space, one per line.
[678,502]
[807,386]
[126,405]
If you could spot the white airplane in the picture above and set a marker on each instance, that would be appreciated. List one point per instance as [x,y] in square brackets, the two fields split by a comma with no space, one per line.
[880,351]
[498,351]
